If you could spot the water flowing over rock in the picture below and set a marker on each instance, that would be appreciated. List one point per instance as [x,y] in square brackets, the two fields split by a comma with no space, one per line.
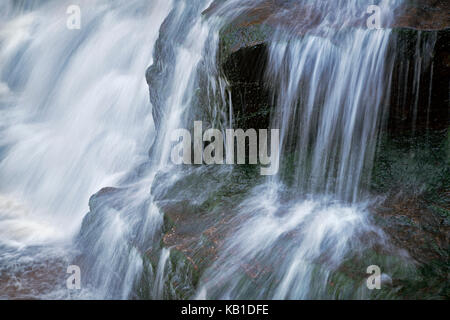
[86,123]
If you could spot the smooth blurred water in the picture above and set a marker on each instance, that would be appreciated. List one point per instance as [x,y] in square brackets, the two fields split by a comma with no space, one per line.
[75,113]
[127,224]
[80,116]
[76,117]
[330,77]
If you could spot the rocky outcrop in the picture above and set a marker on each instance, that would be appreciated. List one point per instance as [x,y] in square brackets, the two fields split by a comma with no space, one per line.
[419,98]
[411,167]
[424,15]
[417,221]
[255,25]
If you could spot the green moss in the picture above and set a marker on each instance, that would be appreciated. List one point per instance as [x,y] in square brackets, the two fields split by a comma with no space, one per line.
[417,169]
[413,165]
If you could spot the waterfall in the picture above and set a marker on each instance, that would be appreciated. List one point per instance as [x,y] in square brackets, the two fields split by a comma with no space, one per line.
[84,151]
[80,118]
[329,82]
[331,99]
[76,119]
[158,288]
[75,115]
[123,224]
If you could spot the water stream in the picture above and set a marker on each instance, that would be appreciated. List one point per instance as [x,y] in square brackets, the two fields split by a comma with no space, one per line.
[75,118]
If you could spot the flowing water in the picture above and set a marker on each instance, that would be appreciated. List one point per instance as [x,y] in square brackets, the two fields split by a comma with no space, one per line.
[75,111]
[329,92]
[76,118]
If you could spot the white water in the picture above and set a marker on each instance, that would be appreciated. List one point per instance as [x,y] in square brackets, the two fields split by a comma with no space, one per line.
[158,289]
[80,116]
[76,118]
[75,115]
[126,224]
[329,87]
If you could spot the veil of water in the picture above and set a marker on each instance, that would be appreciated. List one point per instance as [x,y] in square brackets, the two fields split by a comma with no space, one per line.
[76,115]
[329,91]
[76,118]
[74,110]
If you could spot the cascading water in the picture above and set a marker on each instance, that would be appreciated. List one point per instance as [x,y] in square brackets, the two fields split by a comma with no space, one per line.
[329,94]
[80,112]
[75,111]
[186,48]
[75,118]
[125,221]
[78,115]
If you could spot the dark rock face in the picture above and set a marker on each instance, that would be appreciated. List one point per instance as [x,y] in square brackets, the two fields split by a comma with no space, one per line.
[421,44]
[421,81]
[250,96]
[419,97]
[413,174]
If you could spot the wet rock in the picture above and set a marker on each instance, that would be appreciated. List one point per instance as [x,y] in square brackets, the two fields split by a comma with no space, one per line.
[256,24]
[413,174]
[250,95]
[418,102]
[198,218]
[419,98]
[386,280]
[424,15]
[197,213]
